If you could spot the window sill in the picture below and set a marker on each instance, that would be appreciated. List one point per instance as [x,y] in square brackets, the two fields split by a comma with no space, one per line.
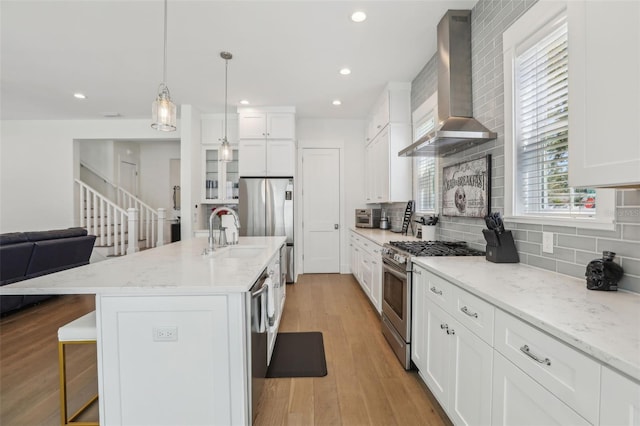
[577,222]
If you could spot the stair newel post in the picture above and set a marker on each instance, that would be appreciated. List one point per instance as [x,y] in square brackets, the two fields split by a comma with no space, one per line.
[132,213]
[83,207]
[102,224]
[162,215]
[94,214]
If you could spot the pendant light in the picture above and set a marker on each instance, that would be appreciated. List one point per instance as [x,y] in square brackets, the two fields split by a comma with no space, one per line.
[163,110]
[225,152]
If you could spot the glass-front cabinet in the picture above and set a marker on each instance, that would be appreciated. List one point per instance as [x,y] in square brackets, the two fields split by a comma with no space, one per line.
[220,179]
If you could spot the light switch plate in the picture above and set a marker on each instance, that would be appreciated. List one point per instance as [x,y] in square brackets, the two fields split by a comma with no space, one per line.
[547,242]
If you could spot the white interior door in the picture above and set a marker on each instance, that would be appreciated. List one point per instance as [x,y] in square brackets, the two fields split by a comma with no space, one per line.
[321,210]
[128,177]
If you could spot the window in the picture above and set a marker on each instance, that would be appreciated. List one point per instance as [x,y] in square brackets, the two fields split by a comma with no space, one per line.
[424,168]
[536,64]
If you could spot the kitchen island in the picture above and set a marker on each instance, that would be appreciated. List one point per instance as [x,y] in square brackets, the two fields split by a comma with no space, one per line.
[172,330]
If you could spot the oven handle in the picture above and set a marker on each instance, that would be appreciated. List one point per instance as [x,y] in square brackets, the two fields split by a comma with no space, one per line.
[393,271]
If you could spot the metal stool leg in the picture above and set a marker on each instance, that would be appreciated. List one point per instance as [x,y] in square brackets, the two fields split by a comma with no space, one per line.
[65,418]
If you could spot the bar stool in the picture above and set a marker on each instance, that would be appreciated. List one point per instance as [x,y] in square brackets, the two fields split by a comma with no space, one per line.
[79,331]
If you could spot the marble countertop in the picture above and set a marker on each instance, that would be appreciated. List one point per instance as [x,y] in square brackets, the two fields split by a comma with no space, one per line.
[178,268]
[381,236]
[604,325]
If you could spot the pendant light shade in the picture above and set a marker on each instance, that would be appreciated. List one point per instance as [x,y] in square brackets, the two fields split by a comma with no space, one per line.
[163,111]
[225,151]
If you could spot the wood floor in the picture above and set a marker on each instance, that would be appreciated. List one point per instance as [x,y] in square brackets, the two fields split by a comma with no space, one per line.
[365,384]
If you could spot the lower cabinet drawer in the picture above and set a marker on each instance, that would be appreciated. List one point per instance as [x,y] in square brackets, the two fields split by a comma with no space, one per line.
[476,314]
[520,400]
[565,372]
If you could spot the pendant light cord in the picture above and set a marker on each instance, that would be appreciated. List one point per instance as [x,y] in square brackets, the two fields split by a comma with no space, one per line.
[226,72]
[164,67]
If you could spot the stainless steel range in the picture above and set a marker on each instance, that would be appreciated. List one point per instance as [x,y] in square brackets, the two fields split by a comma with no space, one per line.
[397,282]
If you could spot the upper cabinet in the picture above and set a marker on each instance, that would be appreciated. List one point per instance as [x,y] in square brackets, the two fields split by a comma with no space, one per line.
[388,177]
[393,106]
[604,88]
[267,145]
[257,124]
[212,128]
[220,178]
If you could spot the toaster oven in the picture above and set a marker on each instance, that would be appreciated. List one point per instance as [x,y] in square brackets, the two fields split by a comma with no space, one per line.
[368,218]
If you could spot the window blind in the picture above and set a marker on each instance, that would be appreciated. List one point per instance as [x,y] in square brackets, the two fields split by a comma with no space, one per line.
[425,169]
[542,130]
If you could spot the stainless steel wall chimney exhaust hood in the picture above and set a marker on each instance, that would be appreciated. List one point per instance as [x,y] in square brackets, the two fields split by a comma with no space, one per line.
[459,130]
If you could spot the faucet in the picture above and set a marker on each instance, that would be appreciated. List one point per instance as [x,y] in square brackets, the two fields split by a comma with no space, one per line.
[236,221]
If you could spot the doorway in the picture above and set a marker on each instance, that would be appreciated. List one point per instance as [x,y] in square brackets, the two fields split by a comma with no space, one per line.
[128,177]
[321,210]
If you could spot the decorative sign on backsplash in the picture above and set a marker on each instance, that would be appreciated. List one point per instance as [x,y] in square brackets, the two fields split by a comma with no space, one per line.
[466,188]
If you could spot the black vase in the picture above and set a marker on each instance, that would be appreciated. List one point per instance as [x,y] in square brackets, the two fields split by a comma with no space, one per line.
[604,274]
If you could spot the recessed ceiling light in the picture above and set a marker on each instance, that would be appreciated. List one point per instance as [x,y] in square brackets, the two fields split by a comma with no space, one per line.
[79,95]
[345,71]
[337,102]
[244,102]
[358,16]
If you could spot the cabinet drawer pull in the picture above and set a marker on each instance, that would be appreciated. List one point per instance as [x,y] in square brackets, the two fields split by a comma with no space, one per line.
[528,353]
[417,272]
[436,291]
[471,314]
[444,326]
[451,332]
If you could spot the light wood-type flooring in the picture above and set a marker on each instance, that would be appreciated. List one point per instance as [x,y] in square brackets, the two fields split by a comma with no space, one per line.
[365,384]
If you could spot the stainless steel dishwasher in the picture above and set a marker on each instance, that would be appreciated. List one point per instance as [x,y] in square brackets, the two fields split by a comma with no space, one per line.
[258,303]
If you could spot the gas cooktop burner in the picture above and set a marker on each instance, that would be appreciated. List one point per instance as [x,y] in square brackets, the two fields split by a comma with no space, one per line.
[436,248]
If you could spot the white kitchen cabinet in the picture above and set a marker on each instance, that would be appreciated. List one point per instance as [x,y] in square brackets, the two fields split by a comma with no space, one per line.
[212,128]
[520,400]
[220,183]
[604,93]
[267,146]
[569,374]
[619,399]
[279,294]
[207,356]
[376,277]
[267,158]
[388,176]
[366,267]
[455,364]
[392,106]
[258,124]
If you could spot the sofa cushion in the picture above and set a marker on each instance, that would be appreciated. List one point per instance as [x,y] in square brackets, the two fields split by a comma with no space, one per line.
[14,260]
[12,238]
[56,255]
[55,234]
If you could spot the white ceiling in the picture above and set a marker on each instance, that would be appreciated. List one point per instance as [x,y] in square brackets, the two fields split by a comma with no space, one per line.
[285,53]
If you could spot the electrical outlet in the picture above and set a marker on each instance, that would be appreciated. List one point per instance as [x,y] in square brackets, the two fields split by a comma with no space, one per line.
[165,334]
[547,242]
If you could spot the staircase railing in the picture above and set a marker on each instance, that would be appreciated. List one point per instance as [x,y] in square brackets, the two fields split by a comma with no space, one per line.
[104,219]
[147,217]
[151,222]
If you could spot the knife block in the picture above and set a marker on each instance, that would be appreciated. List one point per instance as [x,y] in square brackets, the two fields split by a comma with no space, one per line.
[500,247]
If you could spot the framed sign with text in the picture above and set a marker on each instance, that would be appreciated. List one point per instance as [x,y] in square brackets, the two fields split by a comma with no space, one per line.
[466,188]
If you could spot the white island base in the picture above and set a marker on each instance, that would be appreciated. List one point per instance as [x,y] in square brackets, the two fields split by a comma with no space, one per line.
[173,330]
[173,360]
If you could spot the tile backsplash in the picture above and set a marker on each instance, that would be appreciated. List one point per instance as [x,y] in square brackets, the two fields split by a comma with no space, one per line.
[573,248]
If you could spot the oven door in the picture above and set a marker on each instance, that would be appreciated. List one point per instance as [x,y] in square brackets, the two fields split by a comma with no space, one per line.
[396,303]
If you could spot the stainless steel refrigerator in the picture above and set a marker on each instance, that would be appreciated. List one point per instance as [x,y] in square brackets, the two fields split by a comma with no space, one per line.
[265,207]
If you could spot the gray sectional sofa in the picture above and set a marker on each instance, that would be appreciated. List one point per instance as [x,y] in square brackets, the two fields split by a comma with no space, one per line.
[25,255]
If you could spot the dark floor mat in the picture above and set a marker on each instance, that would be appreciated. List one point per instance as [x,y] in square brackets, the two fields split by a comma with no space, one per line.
[298,355]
